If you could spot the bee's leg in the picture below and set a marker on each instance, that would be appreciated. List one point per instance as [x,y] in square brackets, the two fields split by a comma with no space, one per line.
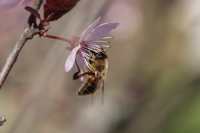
[78,75]
[102,89]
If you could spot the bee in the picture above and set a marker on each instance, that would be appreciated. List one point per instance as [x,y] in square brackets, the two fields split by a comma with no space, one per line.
[89,52]
[94,77]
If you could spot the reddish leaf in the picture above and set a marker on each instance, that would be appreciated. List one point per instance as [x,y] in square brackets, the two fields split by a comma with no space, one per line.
[54,9]
[33,11]
[32,20]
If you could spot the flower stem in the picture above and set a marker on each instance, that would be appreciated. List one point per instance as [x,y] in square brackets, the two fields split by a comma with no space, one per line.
[28,34]
[57,38]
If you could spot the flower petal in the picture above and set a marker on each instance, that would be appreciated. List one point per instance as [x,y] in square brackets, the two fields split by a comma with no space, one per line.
[89,29]
[71,59]
[101,31]
[99,44]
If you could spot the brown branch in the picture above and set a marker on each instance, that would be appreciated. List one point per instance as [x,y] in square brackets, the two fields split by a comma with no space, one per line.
[28,34]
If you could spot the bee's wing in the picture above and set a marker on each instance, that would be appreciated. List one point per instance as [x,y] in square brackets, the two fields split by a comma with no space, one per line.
[106,69]
[71,59]
[100,31]
[101,87]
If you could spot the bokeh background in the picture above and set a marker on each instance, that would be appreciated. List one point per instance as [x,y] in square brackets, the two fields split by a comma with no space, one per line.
[153,80]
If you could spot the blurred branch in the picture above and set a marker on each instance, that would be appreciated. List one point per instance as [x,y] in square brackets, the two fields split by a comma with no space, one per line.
[27,34]
[2,120]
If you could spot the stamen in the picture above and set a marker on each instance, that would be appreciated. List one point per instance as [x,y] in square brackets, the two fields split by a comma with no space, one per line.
[99,41]
[107,37]
[103,45]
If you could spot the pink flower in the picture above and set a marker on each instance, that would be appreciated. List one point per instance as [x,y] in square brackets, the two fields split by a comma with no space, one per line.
[92,40]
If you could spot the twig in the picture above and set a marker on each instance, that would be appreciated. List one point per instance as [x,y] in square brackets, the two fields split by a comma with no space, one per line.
[2,120]
[28,34]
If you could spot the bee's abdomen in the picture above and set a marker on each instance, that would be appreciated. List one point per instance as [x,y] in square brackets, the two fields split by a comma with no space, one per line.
[87,89]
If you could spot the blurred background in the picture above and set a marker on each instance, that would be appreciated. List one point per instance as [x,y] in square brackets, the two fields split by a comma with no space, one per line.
[153,80]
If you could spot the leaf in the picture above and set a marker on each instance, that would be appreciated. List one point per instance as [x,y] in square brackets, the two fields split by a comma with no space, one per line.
[54,9]
[33,11]
[32,18]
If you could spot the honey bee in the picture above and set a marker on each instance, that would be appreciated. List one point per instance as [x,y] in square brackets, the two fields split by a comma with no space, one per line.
[89,52]
[94,77]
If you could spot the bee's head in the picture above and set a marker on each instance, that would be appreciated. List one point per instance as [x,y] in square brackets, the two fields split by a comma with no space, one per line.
[100,55]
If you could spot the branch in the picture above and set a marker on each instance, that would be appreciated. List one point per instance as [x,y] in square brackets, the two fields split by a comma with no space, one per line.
[28,34]
[2,120]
